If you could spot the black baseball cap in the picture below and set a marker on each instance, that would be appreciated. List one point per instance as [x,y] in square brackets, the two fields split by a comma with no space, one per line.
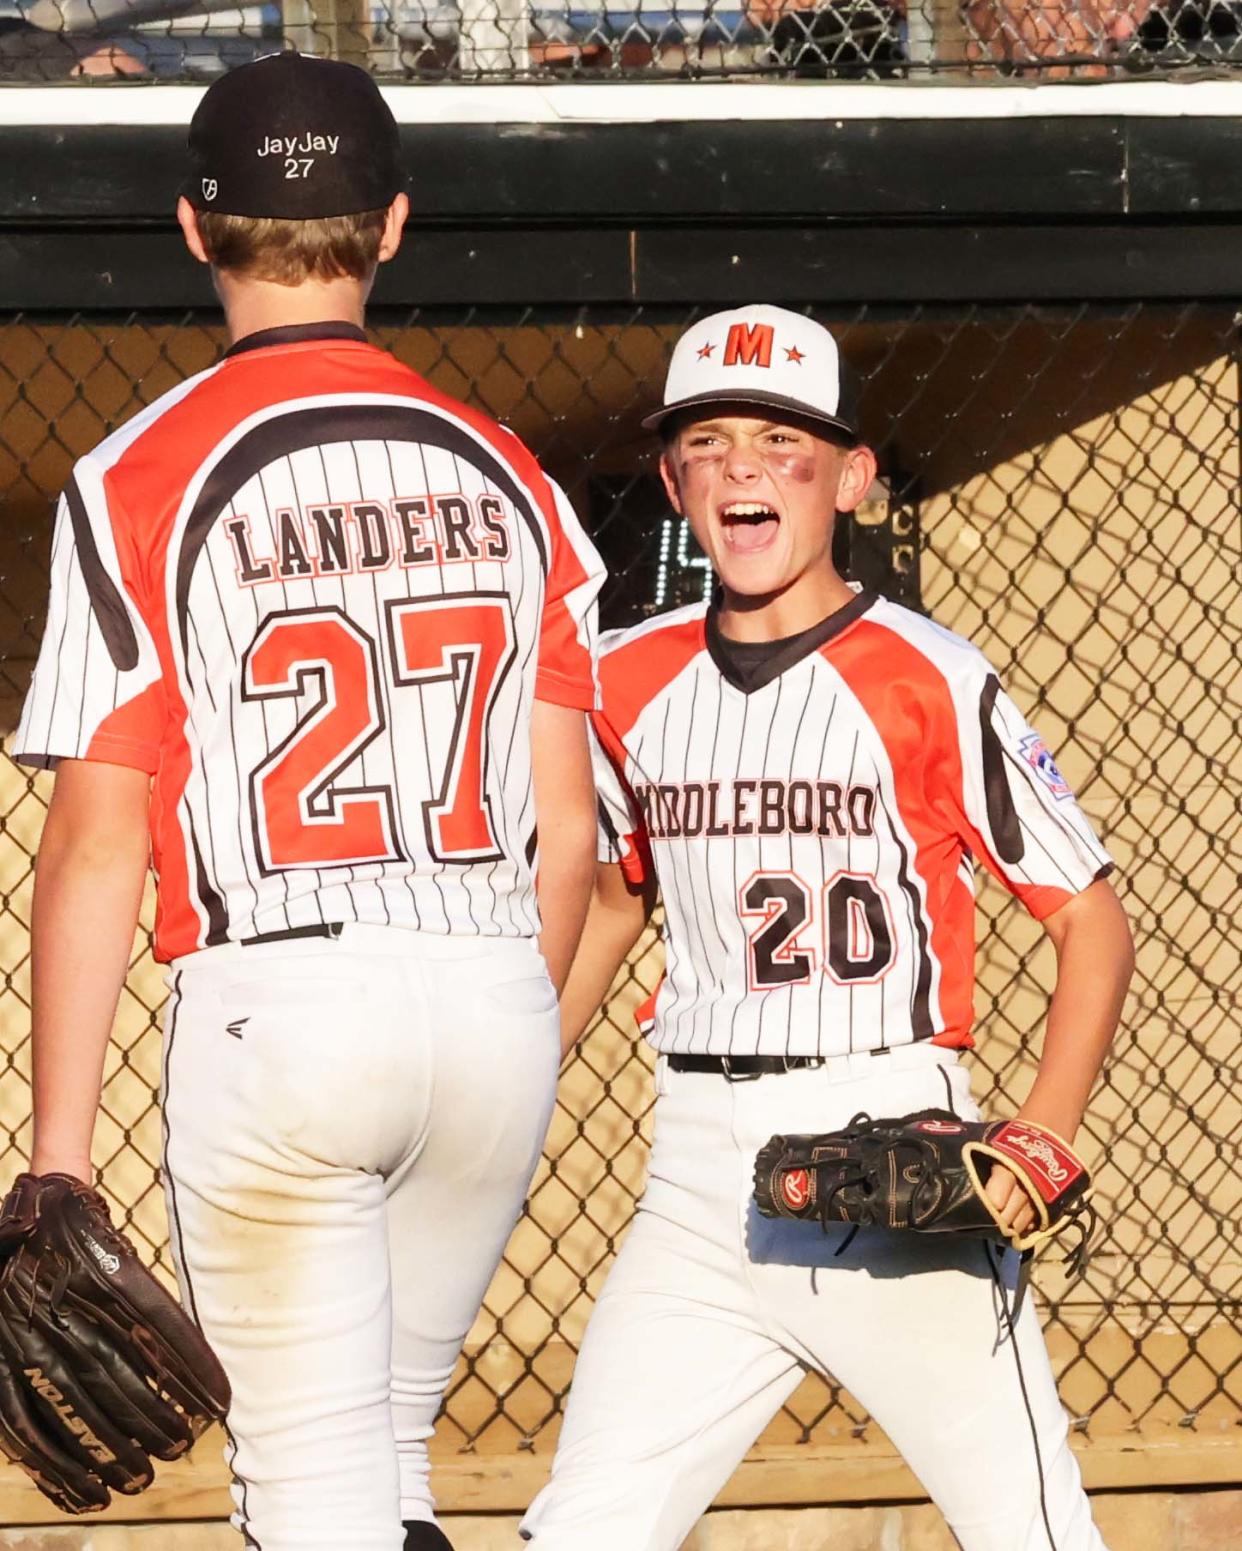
[293,137]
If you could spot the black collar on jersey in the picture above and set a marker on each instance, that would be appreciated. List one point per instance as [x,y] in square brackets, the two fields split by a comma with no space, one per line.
[296,334]
[749,665]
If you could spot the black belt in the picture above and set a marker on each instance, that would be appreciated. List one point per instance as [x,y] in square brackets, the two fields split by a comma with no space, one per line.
[321,929]
[743,1068]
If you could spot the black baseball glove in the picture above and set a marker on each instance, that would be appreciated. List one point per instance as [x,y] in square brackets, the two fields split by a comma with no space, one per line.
[926,1171]
[100,1368]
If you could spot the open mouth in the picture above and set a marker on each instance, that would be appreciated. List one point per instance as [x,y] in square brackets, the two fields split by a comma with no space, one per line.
[748,526]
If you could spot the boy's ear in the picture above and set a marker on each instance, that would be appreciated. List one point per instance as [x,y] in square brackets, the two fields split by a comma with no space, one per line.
[670,482]
[394,226]
[857,476]
[187,220]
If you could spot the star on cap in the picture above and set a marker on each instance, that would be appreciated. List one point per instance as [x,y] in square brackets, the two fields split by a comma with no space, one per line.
[792,353]
[705,352]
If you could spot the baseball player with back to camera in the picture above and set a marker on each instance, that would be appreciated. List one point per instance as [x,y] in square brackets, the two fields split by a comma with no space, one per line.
[809,774]
[319,640]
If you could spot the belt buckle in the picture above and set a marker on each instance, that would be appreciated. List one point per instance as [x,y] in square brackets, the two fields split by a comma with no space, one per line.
[726,1066]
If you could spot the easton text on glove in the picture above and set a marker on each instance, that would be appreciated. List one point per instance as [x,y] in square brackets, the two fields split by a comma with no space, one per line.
[101,1370]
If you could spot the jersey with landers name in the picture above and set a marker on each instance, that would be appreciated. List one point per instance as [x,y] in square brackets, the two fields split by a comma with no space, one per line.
[314,598]
[813,825]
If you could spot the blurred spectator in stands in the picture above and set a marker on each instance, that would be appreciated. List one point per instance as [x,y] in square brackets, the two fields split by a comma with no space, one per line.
[1052,39]
[29,53]
[1173,32]
[848,40]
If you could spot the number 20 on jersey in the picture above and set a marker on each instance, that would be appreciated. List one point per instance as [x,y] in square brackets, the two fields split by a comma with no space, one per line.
[857,929]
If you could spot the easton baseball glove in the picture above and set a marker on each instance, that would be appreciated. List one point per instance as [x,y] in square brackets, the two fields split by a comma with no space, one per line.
[100,1369]
[927,1171]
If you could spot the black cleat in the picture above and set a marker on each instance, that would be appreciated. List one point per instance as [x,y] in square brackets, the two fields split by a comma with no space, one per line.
[423,1536]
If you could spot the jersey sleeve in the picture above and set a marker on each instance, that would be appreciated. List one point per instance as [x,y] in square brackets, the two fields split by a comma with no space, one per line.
[568,631]
[1016,811]
[97,690]
[622,832]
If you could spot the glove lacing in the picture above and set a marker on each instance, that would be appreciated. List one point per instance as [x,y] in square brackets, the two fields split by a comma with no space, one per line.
[1080,1219]
[925,1173]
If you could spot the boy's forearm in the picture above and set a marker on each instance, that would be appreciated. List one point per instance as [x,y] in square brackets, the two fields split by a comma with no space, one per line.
[566,820]
[88,891]
[615,921]
[566,868]
[1095,959]
[607,938]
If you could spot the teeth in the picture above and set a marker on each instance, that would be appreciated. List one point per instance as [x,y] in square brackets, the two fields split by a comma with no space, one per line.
[748,509]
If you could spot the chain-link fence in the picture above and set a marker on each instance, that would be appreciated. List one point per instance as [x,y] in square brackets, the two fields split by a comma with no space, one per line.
[57,40]
[1061,485]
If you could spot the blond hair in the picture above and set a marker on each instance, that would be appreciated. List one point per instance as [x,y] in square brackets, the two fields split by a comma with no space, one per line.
[284,252]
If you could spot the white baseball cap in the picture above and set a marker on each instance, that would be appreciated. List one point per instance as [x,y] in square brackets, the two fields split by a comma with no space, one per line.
[760,355]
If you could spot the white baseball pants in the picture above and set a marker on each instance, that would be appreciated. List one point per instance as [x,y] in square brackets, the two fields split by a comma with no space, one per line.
[350,1130]
[711,1312]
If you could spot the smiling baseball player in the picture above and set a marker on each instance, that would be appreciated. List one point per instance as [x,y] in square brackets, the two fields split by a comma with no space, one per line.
[810,775]
[318,644]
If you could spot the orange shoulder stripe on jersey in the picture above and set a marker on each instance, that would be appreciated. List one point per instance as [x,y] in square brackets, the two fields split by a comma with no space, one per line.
[133,733]
[149,478]
[908,702]
[565,673]
[634,672]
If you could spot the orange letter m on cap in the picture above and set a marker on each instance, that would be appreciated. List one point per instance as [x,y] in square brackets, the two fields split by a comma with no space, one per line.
[749,344]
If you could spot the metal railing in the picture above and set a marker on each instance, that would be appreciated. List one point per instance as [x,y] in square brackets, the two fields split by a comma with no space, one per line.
[517,40]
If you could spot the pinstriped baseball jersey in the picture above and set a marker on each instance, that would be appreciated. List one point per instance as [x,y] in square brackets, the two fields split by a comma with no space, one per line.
[813,823]
[314,598]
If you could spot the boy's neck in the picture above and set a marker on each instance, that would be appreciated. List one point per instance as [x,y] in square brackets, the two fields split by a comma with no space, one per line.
[253,305]
[776,616]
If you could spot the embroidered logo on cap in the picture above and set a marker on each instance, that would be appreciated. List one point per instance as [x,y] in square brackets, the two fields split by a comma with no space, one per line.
[210,188]
[749,344]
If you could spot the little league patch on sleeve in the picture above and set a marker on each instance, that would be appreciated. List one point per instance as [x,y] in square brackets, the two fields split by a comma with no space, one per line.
[1035,751]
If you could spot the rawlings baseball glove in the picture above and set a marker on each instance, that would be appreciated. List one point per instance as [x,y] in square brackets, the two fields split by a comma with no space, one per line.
[927,1171]
[100,1368]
